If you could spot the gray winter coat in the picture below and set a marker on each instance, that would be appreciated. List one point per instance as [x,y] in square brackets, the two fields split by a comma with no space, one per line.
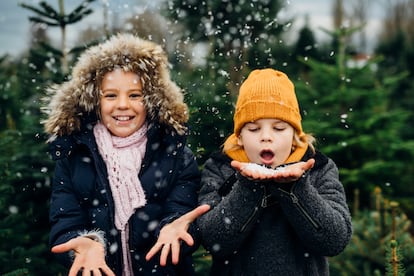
[258,228]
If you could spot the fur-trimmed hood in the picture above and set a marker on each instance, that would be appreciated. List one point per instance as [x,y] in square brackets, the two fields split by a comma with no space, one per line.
[68,102]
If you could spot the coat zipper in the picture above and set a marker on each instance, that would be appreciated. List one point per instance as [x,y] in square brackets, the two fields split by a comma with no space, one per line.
[295,201]
[256,209]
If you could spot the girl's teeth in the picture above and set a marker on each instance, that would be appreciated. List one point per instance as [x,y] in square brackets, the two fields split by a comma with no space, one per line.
[122,118]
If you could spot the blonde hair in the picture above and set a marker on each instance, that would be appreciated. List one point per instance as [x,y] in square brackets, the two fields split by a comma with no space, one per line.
[300,141]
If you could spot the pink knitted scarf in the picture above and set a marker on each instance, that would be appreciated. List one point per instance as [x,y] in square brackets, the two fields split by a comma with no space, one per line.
[123,157]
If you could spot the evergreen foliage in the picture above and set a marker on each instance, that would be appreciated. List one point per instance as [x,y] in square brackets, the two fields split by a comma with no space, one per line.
[25,187]
[210,114]
[9,109]
[305,47]
[394,257]
[202,262]
[24,175]
[48,15]
[361,116]
[25,166]
[239,37]
[381,233]
[349,112]
[397,54]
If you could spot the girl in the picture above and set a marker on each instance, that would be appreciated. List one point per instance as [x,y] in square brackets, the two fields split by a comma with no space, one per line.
[286,215]
[123,171]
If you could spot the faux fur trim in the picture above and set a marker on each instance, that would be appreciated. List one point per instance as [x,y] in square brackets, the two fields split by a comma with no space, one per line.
[96,235]
[66,103]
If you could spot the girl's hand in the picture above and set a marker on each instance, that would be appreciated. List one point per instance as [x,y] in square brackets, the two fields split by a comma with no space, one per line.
[172,234]
[285,174]
[89,257]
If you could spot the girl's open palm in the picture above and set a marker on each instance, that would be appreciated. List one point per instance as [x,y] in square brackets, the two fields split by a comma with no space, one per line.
[171,235]
[89,257]
[284,174]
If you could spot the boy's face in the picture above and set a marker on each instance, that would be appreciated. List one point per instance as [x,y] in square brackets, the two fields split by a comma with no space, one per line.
[267,141]
[121,103]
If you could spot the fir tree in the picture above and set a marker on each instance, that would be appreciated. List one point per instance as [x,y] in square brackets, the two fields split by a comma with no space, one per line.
[348,110]
[394,257]
[238,37]
[381,242]
[48,15]
[25,166]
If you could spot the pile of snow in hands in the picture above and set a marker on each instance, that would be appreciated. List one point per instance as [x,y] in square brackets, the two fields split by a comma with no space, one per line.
[253,167]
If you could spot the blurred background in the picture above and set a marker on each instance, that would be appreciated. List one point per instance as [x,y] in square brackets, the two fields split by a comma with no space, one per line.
[352,63]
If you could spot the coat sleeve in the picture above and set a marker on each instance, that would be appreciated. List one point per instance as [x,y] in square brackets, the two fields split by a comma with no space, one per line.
[66,216]
[227,224]
[316,208]
[182,198]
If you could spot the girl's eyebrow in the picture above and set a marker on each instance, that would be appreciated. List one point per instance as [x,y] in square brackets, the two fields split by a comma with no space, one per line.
[107,90]
[110,89]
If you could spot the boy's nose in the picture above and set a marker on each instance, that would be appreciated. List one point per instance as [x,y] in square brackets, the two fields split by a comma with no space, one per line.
[265,136]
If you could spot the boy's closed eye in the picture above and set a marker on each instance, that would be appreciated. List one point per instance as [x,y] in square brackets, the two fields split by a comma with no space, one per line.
[252,126]
[278,127]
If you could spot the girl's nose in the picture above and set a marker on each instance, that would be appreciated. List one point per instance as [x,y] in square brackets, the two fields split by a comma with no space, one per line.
[123,102]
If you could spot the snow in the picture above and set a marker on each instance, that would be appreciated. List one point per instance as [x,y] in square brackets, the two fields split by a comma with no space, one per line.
[253,167]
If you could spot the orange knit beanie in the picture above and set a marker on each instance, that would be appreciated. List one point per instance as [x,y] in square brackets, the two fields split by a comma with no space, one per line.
[266,93]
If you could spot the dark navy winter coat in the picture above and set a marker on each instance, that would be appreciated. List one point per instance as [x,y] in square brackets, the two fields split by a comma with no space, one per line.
[81,197]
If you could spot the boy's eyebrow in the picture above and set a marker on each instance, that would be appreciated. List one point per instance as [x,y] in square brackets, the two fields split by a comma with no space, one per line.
[280,121]
[277,121]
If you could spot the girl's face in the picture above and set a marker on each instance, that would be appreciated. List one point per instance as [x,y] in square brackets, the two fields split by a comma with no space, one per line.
[121,103]
[267,141]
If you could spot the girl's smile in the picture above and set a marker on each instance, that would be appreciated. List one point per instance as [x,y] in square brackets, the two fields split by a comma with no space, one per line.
[122,108]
